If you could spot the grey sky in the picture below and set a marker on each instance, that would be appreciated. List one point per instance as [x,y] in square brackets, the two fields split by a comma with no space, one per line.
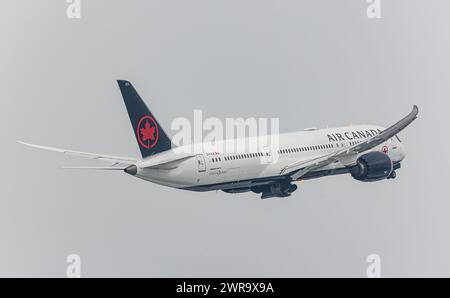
[309,63]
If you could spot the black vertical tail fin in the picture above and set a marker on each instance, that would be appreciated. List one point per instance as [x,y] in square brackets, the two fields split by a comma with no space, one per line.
[150,136]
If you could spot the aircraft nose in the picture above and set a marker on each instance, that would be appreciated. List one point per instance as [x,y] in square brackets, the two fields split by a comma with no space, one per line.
[132,170]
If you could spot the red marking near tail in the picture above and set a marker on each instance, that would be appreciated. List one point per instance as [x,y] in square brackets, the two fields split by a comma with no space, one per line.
[147,132]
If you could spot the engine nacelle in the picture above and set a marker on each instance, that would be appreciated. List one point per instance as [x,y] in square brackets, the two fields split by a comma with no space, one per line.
[372,166]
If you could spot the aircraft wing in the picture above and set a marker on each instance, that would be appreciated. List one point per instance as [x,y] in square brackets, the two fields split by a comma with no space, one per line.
[103,157]
[298,169]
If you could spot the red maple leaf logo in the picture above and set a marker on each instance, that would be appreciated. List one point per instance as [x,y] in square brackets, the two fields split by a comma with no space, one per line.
[148,133]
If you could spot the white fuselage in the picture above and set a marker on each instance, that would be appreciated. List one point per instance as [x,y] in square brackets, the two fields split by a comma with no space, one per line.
[209,165]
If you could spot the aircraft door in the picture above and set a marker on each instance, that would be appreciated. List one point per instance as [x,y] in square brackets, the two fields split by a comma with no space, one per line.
[201,163]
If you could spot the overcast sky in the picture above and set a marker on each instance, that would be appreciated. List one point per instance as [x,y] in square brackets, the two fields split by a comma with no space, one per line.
[308,63]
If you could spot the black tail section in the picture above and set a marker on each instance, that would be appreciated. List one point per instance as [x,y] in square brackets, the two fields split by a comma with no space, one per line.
[150,136]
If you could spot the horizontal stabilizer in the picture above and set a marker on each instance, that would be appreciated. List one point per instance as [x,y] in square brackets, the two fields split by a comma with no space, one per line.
[103,157]
[94,168]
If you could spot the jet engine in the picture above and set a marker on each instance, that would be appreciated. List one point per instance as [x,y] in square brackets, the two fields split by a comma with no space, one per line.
[372,166]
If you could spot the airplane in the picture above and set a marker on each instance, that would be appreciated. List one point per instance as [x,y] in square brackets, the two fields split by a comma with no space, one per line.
[367,152]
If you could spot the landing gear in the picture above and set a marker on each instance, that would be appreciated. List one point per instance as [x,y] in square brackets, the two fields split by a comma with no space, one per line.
[279,189]
[392,175]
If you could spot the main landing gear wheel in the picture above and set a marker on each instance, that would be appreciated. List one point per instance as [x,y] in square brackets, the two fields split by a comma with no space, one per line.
[392,175]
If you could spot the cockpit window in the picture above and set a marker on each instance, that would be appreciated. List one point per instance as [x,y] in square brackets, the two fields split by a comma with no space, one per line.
[398,139]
